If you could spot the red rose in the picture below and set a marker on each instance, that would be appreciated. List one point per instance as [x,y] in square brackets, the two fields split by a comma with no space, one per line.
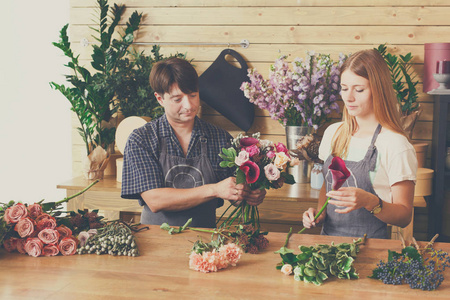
[339,172]
[15,213]
[34,210]
[34,247]
[21,246]
[49,236]
[25,227]
[68,246]
[64,231]
[10,244]
[46,223]
[43,216]
[50,250]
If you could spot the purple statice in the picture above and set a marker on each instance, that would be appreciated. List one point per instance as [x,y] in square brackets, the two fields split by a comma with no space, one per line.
[305,95]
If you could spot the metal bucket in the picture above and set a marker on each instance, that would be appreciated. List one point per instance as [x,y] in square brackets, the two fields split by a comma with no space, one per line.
[302,172]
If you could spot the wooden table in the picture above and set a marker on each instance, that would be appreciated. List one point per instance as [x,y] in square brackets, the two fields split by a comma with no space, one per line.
[161,272]
[281,209]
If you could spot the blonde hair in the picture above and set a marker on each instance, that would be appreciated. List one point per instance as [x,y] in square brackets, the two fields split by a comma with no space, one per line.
[370,65]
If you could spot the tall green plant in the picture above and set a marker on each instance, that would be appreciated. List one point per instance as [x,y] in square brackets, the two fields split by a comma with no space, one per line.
[403,79]
[91,97]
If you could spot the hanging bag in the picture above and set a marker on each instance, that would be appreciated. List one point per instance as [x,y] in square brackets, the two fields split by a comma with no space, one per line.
[220,86]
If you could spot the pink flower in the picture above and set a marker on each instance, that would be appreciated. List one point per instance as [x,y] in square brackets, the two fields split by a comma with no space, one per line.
[205,262]
[10,244]
[50,250]
[242,157]
[34,247]
[252,150]
[46,223]
[251,171]
[286,269]
[83,237]
[34,210]
[282,148]
[68,246]
[15,213]
[281,159]
[232,253]
[271,154]
[21,246]
[25,227]
[272,172]
[339,172]
[64,231]
[49,236]
[248,141]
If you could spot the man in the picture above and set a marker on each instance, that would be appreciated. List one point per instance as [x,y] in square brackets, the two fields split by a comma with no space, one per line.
[171,164]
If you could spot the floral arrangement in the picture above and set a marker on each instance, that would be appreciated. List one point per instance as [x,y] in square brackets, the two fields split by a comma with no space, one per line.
[302,96]
[339,173]
[213,256]
[259,163]
[40,230]
[317,263]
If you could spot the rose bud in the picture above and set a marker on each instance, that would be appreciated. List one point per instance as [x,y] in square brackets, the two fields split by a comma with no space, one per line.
[15,213]
[34,247]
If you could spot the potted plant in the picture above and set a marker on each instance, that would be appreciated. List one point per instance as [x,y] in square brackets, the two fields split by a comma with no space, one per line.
[91,94]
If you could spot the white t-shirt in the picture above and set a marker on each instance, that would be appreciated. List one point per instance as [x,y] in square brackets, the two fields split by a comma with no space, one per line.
[396,160]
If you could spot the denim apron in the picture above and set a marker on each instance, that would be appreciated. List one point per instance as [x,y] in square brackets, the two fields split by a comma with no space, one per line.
[184,173]
[358,222]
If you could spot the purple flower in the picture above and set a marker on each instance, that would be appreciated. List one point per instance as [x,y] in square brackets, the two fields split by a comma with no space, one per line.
[339,172]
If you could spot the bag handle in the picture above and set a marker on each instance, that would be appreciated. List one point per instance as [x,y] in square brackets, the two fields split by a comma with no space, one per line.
[236,55]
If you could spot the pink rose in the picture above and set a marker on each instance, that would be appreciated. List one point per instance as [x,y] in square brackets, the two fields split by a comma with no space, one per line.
[271,154]
[64,231]
[251,171]
[10,244]
[286,269]
[43,216]
[15,213]
[272,172]
[281,159]
[34,210]
[282,148]
[242,157]
[68,246]
[83,237]
[21,246]
[25,227]
[46,223]
[34,247]
[252,150]
[50,250]
[49,236]
[232,252]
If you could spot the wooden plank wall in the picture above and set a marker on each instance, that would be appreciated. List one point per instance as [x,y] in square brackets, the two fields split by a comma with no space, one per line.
[274,28]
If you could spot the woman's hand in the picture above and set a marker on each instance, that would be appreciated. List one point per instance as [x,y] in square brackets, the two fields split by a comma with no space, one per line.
[352,198]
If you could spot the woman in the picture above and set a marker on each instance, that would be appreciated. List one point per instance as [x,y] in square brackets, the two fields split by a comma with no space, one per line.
[382,162]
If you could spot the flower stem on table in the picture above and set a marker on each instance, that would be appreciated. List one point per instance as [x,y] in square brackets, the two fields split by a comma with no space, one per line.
[318,214]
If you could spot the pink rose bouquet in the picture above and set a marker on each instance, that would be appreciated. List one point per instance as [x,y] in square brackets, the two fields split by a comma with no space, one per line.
[261,164]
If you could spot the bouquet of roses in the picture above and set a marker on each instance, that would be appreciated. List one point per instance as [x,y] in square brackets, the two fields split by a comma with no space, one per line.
[39,229]
[259,163]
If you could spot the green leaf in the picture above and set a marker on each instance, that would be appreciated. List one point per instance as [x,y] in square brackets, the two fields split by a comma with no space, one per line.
[223,164]
[284,250]
[165,226]
[240,177]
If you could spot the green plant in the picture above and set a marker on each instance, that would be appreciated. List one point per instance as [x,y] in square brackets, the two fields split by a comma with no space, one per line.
[131,86]
[403,79]
[91,96]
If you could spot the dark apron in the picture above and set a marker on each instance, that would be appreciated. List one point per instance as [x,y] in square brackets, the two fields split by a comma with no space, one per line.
[358,222]
[185,173]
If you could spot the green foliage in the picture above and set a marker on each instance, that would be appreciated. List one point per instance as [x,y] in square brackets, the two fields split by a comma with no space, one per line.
[131,86]
[91,96]
[173,230]
[402,73]
[317,263]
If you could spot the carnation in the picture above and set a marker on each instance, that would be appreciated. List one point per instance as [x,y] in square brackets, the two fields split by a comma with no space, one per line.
[232,253]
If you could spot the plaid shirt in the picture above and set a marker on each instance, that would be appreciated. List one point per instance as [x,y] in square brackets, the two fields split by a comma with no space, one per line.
[141,168]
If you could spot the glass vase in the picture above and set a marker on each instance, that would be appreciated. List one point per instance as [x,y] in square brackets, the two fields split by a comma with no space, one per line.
[302,171]
[317,176]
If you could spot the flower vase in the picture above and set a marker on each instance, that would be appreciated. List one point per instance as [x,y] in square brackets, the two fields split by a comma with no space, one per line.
[317,177]
[302,171]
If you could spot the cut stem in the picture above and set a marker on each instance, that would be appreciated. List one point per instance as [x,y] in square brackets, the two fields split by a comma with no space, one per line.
[318,214]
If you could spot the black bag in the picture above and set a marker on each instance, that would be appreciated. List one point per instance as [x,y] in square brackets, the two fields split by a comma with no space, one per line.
[219,87]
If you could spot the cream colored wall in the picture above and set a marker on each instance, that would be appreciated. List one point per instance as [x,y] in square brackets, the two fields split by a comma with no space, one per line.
[274,28]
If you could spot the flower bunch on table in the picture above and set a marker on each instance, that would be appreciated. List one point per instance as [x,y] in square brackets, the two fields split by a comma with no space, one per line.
[261,164]
[40,229]
[302,95]
[213,256]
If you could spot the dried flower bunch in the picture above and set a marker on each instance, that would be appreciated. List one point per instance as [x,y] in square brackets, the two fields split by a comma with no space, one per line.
[302,96]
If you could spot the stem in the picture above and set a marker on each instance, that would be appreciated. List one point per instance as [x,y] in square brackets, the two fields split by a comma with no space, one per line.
[318,214]
[77,194]
[287,238]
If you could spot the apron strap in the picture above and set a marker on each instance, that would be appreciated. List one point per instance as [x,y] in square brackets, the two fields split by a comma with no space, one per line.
[371,155]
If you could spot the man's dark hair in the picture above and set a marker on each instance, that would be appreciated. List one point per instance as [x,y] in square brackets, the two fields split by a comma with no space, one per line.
[173,70]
